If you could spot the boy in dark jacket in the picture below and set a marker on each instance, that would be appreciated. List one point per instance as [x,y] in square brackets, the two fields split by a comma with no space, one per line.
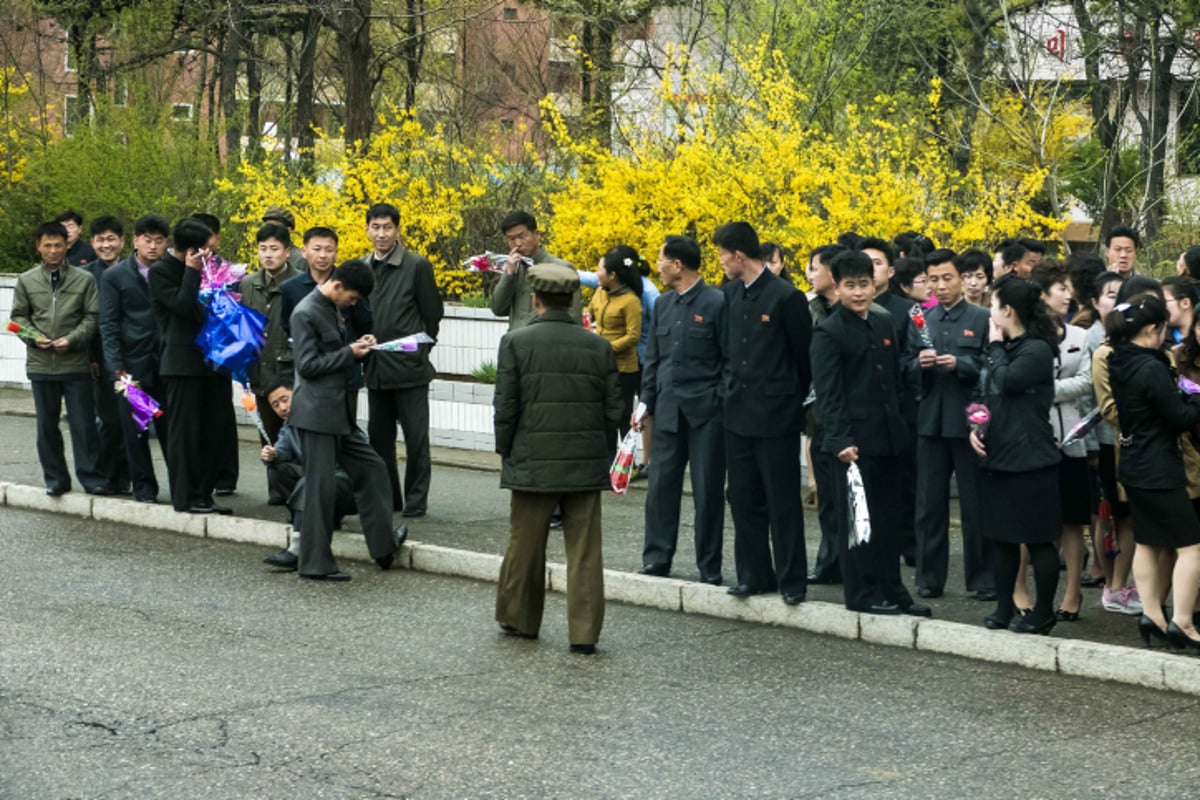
[863,405]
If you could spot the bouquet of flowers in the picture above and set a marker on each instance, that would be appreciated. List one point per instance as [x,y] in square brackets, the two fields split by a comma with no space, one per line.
[622,466]
[145,407]
[488,261]
[978,418]
[217,274]
[405,344]
[232,336]
[22,331]
[1186,385]
[917,314]
[1084,426]
[860,517]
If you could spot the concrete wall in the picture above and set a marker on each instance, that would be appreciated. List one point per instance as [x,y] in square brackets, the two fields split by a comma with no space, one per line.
[460,412]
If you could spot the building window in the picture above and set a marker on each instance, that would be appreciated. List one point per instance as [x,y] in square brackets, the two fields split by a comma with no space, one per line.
[68,61]
[560,76]
[1187,135]
[75,116]
[510,15]
[181,112]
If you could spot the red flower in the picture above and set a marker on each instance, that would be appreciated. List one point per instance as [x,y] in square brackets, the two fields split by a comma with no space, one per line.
[13,327]
[918,318]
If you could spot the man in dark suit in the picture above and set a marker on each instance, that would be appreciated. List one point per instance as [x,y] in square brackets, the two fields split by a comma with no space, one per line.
[908,340]
[79,252]
[949,371]
[862,398]
[406,301]
[328,439]
[681,390]
[108,239]
[767,380]
[199,404]
[130,337]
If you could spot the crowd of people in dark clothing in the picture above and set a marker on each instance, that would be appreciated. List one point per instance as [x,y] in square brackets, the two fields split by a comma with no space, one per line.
[908,371]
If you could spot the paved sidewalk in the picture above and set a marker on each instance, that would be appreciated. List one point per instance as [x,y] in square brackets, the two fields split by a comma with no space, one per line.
[469,512]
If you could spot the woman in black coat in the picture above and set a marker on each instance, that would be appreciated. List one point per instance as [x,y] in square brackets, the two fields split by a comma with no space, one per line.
[1019,486]
[1153,414]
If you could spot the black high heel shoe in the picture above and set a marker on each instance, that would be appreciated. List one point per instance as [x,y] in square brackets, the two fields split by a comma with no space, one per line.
[1148,628]
[1025,624]
[1181,641]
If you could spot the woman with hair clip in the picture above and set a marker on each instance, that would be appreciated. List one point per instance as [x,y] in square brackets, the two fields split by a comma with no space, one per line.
[1019,486]
[1153,414]
[616,311]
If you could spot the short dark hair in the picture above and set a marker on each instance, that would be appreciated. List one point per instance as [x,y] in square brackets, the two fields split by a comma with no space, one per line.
[70,215]
[851,264]
[1139,284]
[1011,253]
[826,253]
[939,256]
[907,269]
[152,223]
[1083,267]
[106,224]
[1047,274]
[849,240]
[210,221]
[51,229]
[514,218]
[1034,246]
[738,237]
[684,249]
[356,276]
[554,299]
[1191,261]
[190,234]
[381,210]
[913,243]
[273,230]
[875,243]
[1123,231]
[973,260]
[319,232]
[275,385]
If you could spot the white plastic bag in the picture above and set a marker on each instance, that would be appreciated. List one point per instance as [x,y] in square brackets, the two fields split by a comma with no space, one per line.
[860,517]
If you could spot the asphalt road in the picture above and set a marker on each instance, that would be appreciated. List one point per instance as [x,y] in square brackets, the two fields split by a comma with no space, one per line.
[141,664]
[468,510]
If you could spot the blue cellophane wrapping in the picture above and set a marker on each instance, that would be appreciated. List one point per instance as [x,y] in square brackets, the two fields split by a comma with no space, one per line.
[232,337]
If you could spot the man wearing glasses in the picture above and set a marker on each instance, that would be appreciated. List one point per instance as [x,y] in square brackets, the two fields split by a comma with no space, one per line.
[512,296]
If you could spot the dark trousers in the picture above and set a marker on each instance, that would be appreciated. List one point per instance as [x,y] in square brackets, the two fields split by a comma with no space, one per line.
[200,430]
[871,571]
[703,448]
[937,458]
[283,477]
[830,491]
[323,453]
[111,460]
[48,398]
[768,512]
[409,408]
[227,465]
[137,443]
[630,384]
[906,503]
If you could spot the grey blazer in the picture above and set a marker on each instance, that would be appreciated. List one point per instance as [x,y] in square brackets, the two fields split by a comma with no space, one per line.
[321,356]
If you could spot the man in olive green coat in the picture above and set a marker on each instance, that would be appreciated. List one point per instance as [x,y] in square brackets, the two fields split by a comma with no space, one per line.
[556,403]
[511,296]
[58,306]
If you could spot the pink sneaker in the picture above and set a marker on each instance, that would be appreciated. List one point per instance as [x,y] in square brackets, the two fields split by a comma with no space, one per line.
[1124,601]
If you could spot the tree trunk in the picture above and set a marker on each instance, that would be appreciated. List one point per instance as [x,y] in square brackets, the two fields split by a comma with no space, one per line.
[231,47]
[254,110]
[1105,115]
[305,91]
[414,50]
[1161,85]
[354,61]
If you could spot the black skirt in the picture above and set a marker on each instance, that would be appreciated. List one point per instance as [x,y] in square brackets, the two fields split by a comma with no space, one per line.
[1075,491]
[1021,507]
[1163,517]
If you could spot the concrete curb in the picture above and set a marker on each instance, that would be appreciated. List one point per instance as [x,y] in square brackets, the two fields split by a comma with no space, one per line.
[1154,669]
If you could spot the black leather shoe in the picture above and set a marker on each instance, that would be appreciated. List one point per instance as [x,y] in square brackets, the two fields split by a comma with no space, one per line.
[225,510]
[56,492]
[401,535]
[997,622]
[284,559]
[985,596]
[1091,581]
[332,576]
[824,578]
[655,570]
[584,649]
[712,580]
[916,610]
[923,591]
[413,513]
[1025,624]
[793,599]
[224,492]
[398,537]
[202,509]
[101,491]
[509,630]
[145,498]
[742,590]
[556,520]
[887,608]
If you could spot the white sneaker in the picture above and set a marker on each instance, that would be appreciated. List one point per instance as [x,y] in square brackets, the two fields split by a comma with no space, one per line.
[1124,601]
